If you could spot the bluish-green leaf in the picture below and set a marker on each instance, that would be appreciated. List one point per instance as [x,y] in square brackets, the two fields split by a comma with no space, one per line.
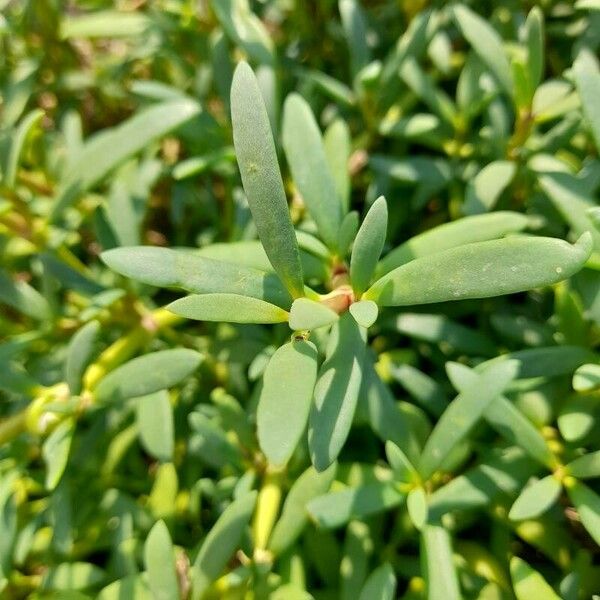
[308,314]
[481,270]
[231,308]
[368,246]
[306,157]
[159,559]
[534,38]
[147,374]
[337,143]
[261,177]
[586,71]
[355,29]
[336,392]
[485,188]
[285,399]
[154,416]
[220,543]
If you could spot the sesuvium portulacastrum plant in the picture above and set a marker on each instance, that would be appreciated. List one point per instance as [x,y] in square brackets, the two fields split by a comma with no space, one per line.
[328,282]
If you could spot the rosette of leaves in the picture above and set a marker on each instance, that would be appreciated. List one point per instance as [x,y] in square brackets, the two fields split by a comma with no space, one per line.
[349,280]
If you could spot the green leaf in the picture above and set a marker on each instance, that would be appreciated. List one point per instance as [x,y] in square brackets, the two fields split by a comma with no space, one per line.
[536,499]
[285,399]
[364,312]
[147,374]
[528,583]
[220,543]
[79,353]
[336,392]
[55,452]
[587,378]
[22,297]
[486,43]
[462,414]
[337,508]
[586,466]
[534,38]
[587,503]
[154,416]
[355,29]
[368,246]
[308,314]
[188,271]
[72,576]
[416,504]
[347,233]
[481,270]
[505,418]
[338,145]
[17,143]
[306,157]
[132,587]
[485,188]
[231,308]
[111,147]
[586,72]
[159,559]
[477,228]
[261,177]
[381,584]
[577,417]
[403,469]
[294,517]
[438,565]
[105,24]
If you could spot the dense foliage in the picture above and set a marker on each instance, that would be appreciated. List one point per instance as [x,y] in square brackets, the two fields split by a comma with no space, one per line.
[299,300]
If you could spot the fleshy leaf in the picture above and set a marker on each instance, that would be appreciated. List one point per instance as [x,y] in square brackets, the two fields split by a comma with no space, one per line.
[586,71]
[482,270]
[285,399]
[587,503]
[160,564]
[308,314]
[528,583]
[257,159]
[381,584]
[440,573]
[536,499]
[230,308]
[364,312]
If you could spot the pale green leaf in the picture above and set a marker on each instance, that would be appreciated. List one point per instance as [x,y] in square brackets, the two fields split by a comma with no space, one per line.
[536,499]
[587,503]
[285,399]
[355,29]
[154,416]
[587,378]
[528,583]
[586,466]
[55,452]
[147,374]
[368,246]
[381,584]
[306,157]
[22,297]
[17,143]
[534,38]
[81,348]
[338,145]
[416,504]
[440,573]
[159,559]
[482,270]
[485,188]
[308,314]
[586,71]
[72,576]
[257,159]
[105,24]
[231,308]
[364,312]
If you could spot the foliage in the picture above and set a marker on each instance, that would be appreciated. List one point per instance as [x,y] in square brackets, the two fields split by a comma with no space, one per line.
[299,300]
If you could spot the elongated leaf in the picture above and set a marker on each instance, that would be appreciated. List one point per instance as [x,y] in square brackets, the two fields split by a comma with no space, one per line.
[528,583]
[381,584]
[337,508]
[586,71]
[108,149]
[220,543]
[586,466]
[147,374]
[285,399]
[534,38]
[231,308]
[55,452]
[416,504]
[305,154]
[294,517]
[484,190]
[16,145]
[160,564]
[587,503]
[104,23]
[72,576]
[487,44]
[154,417]
[261,177]
[337,144]
[462,414]
[536,499]
[481,270]
[439,571]
[81,348]
[368,246]
[505,418]
[336,392]
[355,30]
[22,297]
[164,267]
[477,228]
[308,314]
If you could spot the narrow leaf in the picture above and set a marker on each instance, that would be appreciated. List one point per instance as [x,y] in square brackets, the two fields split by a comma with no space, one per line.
[381,584]
[536,499]
[534,38]
[368,246]
[230,308]
[261,177]
[17,143]
[160,564]
[587,503]
[79,353]
[55,452]
[528,583]
[586,71]
[586,466]
[437,563]
[285,399]
[154,416]
[481,270]
[337,144]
